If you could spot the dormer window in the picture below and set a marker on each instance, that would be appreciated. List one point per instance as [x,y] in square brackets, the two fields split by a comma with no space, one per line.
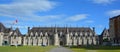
[31,34]
[15,33]
[36,34]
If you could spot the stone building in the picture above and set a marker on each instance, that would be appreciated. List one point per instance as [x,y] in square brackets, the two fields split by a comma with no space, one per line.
[4,35]
[104,38]
[114,26]
[58,36]
[15,37]
[9,36]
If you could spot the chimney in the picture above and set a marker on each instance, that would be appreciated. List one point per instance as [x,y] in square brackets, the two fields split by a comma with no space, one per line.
[28,29]
[93,29]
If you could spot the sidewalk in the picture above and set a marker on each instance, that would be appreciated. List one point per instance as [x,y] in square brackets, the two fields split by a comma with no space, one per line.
[60,49]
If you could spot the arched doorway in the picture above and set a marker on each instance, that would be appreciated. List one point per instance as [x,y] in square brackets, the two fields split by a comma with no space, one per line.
[5,43]
[61,43]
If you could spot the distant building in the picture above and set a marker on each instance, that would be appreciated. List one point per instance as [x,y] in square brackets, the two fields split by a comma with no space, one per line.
[114,26]
[39,36]
[60,36]
[9,36]
[104,37]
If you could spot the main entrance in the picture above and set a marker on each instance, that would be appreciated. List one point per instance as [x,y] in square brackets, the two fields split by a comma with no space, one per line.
[61,43]
[5,43]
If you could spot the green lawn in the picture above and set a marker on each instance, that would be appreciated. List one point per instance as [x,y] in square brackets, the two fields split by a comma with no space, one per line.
[47,48]
[96,49]
[25,48]
[86,50]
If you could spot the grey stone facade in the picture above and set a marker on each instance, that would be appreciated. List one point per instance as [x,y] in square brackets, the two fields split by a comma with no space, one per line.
[39,36]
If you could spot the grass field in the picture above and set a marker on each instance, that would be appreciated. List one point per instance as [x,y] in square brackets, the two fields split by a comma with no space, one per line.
[96,49]
[86,50]
[47,48]
[25,48]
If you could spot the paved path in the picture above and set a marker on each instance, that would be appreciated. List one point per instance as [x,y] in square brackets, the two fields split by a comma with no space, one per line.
[60,49]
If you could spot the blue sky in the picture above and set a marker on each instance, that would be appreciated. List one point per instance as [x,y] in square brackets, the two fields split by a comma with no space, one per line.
[75,13]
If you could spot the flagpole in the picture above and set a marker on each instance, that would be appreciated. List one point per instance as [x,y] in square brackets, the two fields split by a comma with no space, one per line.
[15,23]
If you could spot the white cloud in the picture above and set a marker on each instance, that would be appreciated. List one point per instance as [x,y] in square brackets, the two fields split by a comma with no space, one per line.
[113,13]
[43,18]
[77,17]
[25,9]
[103,1]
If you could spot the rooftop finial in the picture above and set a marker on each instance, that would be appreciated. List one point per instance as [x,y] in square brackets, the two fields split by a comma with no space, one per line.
[94,29]
[67,30]
[55,29]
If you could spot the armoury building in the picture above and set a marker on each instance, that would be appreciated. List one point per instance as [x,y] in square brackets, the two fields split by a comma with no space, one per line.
[58,36]
[61,36]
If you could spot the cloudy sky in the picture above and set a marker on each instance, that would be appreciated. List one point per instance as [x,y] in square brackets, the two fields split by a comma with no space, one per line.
[72,13]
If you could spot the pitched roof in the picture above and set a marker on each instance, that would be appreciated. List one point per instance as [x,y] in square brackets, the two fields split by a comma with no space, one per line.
[17,31]
[104,32]
[2,27]
[115,17]
[59,29]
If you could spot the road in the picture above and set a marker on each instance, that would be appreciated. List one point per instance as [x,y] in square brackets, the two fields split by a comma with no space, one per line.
[60,49]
